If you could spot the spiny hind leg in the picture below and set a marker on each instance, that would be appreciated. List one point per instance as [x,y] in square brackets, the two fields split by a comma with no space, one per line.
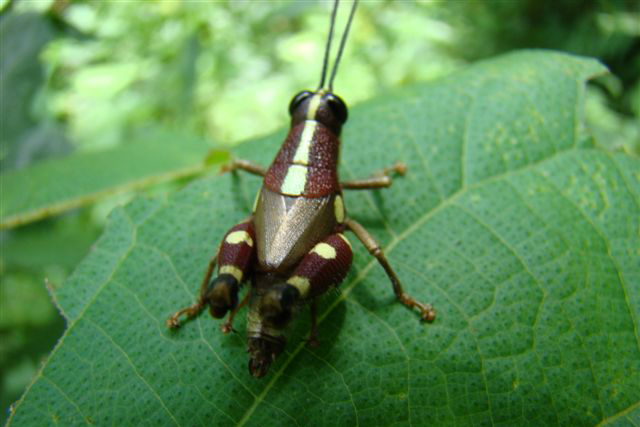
[322,268]
[381,179]
[427,313]
[234,259]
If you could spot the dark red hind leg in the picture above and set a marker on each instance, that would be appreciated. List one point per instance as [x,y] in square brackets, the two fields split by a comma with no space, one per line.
[234,259]
[322,268]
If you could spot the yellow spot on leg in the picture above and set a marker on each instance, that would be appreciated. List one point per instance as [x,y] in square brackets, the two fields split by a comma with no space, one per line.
[300,283]
[239,236]
[338,208]
[325,250]
[230,269]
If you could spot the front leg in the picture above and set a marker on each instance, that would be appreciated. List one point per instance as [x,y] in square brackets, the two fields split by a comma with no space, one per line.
[244,165]
[380,179]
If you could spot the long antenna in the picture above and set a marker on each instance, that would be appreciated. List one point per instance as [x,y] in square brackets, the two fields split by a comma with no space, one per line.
[342,43]
[328,48]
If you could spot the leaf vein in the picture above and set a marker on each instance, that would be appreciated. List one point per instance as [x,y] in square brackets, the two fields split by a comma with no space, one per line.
[67,398]
[346,386]
[135,369]
[615,264]
[184,285]
[608,246]
[71,325]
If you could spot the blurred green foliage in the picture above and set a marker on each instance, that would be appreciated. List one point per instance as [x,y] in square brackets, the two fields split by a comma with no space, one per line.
[87,76]
[605,29]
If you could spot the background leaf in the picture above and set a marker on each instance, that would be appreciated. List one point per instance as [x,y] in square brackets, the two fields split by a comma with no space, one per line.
[24,139]
[523,236]
[60,184]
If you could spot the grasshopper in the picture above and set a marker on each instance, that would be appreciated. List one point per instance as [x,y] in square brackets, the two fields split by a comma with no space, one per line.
[292,249]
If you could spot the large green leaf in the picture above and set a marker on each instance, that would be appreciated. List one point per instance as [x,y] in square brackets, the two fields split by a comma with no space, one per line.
[523,236]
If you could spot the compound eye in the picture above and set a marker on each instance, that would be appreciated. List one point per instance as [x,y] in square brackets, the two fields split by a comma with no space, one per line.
[297,100]
[338,108]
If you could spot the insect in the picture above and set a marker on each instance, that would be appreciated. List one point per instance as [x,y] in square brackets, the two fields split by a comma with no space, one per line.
[292,249]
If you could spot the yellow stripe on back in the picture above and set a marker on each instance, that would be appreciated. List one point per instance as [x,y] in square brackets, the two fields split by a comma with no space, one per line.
[296,178]
[294,181]
[338,209]
[301,156]
[313,106]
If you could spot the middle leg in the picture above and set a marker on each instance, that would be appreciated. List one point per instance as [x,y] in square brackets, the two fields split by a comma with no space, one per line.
[245,165]
[380,179]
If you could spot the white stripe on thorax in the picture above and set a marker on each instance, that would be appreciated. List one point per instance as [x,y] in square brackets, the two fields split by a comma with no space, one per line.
[294,181]
[301,156]
[296,177]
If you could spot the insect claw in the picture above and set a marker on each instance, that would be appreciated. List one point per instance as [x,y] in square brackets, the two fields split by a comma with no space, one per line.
[400,168]
[226,327]
[427,313]
[173,322]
